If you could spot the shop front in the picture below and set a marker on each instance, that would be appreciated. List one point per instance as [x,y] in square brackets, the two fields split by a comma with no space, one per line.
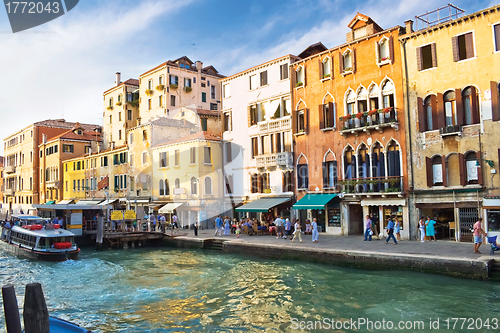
[266,208]
[491,207]
[325,207]
[384,209]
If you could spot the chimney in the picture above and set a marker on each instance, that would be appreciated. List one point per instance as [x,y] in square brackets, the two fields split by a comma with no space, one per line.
[118,78]
[409,26]
[199,65]
[44,138]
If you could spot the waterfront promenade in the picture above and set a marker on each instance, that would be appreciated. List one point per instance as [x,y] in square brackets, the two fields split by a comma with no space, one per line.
[443,256]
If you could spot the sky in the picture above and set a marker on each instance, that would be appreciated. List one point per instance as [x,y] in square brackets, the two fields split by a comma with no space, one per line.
[60,69]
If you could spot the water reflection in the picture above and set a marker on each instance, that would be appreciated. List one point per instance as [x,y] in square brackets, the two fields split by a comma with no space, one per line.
[144,290]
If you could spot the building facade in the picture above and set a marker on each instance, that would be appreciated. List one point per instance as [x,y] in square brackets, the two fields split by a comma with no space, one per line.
[452,72]
[348,125]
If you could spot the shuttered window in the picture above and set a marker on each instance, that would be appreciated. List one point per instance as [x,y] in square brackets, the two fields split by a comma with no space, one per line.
[463,47]
[426,57]
[496,32]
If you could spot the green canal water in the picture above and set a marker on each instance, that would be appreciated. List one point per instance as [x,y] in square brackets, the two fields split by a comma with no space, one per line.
[170,290]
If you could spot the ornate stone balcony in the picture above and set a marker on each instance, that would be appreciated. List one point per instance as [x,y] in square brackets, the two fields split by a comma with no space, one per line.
[8,192]
[284,159]
[52,184]
[9,169]
[372,185]
[375,120]
[275,125]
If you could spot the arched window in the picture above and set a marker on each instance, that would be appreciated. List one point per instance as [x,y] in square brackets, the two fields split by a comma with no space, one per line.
[302,173]
[471,167]
[194,187]
[428,113]
[329,171]
[383,47]
[378,166]
[470,102]
[208,185]
[388,94]
[349,163]
[177,183]
[374,94]
[162,187]
[437,170]
[254,183]
[450,108]
[362,105]
[362,161]
[350,105]
[300,76]
[394,164]
[347,61]
[327,113]
[326,68]
[167,188]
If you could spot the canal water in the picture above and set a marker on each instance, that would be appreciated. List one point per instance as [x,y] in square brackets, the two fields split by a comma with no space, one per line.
[170,290]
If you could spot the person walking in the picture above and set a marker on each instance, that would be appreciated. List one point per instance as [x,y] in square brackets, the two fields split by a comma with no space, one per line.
[397,230]
[227,226]
[368,229]
[478,233]
[390,231]
[421,228]
[288,228]
[279,226]
[175,222]
[429,228]
[297,232]
[375,225]
[218,226]
[195,227]
[315,233]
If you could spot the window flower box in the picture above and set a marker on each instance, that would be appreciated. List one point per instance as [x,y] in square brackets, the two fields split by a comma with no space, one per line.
[173,86]
[348,69]
[387,110]
[299,84]
[345,118]
[372,112]
[359,115]
[110,108]
[149,92]
[384,59]
[118,103]
[160,87]
[326,76]
[188,89]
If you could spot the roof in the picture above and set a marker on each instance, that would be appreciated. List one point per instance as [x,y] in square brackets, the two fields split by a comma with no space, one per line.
[261,65]
[208,113]
[202,135]
[61,123]
[209,70]
[130,82]
[71,135]
[312,49]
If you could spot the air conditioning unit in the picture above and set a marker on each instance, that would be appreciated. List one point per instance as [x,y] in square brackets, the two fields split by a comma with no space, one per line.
[451,130]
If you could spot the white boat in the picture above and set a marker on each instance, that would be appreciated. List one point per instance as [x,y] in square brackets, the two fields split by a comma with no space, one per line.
[35,237]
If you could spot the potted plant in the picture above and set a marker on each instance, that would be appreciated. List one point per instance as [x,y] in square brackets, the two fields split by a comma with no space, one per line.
[348,69]
[188,89]
[110,107]
[133,103]
[118,103]
[299,84]
[173,86]
[384,59]
[372,112]
[326,76]
[387,110]
[149,92]
[160,87]
[359,115]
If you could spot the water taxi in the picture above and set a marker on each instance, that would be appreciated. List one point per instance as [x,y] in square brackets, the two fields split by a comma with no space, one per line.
[35,237]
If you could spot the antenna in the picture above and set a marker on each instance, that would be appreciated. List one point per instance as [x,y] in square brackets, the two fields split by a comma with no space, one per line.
[194,51]
[62,112]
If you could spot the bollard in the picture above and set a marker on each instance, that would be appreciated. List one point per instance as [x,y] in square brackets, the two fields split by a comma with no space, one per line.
[10,309]
[35,314]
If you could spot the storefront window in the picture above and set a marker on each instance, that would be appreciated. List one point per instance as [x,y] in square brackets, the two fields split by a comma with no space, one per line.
[334,217]
[494,220]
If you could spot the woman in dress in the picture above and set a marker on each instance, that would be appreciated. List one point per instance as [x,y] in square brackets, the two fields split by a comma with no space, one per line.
[227,226]
[429,228]
[421,228]
[297,231]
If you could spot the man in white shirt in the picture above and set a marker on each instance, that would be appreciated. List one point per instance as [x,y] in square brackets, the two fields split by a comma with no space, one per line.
[315,233]
[279,227]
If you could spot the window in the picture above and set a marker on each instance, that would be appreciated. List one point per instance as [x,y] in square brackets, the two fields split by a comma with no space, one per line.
[177,183]
[204,97]
[192,155]
[229,153]
[437,171]
[194,187]
[172,100]
[326,68]
[496,35]
[329,172]
[388,94]
[265,183]
[284,72]
[144,158]
[253,115]
[254,82]
[150,84]
[213,106]
[119,116]
[426,57]
[129,114]
[227,122]
[160,101]
[301,120]
[68,148]
[167,188]
[384,51]
[347,62]
[187,82]
[212,92]
[326,116]
[208,185]
[471,167]
[255,147]
[111,102]
[119,136]
[361,99]
[163,159]
[302,176]
[263,78]
[149,103]
[131,138]
[470,102]
[349,163]
[463,47]
[161,187]
[427,122]
[287,185]
[204,124]
[144,135]
[177,160]
[207,157]
[226,90]
[173,80]
[450,108]
[300,76]
[160,79]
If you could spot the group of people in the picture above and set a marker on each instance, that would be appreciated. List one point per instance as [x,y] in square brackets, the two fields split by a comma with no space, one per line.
[393,229]
[426,228]
[160,223]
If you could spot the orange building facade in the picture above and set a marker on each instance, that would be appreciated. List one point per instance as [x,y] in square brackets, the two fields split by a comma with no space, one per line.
[349,130]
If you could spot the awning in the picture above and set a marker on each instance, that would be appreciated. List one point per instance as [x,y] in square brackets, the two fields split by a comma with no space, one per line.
[383,202]
[51,202]
[314,201]
[138,201]
[106,202]
[489,203]
[65,202]
[262,205]
[89,201]
[169,208]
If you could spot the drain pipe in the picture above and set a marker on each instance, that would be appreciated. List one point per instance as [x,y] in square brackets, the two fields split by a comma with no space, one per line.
[407,86]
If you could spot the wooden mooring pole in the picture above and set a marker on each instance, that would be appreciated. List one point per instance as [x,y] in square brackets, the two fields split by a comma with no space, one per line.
[100,232]
[10,309]
[35,314]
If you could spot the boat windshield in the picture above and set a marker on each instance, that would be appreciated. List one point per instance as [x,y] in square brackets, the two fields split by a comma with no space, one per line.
[21,220]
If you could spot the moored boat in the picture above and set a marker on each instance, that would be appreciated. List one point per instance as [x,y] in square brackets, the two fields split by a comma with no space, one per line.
[34,237]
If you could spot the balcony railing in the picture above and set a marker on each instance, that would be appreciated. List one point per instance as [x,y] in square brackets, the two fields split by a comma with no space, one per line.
[9,169]
[8,191]
[284,159]
[284,123]
[368,121]
[451,130]
[372,185]
[52,184]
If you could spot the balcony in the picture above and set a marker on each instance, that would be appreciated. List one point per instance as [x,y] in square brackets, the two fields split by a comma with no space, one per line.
[9,169]
[284,160]
[52,184]
[373,185]
[274,125]
[451,130]
[369,121]
[8,192]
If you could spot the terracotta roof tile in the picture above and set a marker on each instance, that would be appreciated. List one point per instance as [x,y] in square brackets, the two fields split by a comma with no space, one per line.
[61,123]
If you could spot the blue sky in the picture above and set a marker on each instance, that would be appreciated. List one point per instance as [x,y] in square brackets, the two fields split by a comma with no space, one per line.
[61,68]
